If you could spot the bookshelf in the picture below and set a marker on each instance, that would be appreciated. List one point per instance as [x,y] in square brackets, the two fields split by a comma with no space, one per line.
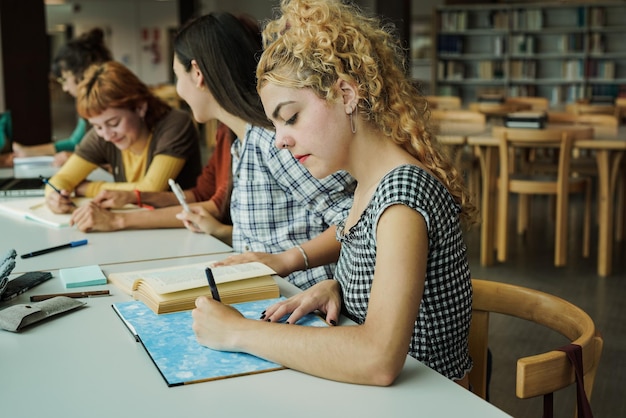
[561,51]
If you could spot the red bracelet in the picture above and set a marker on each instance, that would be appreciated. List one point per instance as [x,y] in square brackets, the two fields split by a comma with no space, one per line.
[141,205]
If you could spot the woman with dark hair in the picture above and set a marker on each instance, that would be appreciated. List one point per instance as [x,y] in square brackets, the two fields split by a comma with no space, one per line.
[139,136]
[68,66]
[279,211]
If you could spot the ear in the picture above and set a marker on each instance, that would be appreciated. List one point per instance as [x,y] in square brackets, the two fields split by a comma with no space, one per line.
[349,95]
[196,74]
[142,109]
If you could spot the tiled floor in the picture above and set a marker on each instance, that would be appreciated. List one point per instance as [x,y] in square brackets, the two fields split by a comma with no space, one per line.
[531,265]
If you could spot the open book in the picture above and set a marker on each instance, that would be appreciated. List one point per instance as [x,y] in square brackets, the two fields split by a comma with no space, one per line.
[173,289]
[175,351]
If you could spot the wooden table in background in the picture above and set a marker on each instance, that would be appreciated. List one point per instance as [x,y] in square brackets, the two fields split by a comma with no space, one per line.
[609,147]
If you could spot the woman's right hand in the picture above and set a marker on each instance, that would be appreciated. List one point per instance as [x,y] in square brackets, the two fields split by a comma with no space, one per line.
[200,220]
[110,199]
[60,203]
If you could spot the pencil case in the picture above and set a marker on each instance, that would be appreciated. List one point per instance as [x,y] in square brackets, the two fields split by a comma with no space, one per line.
[17,317]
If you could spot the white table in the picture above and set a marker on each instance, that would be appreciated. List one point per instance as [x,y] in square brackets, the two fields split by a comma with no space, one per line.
[103,248]
[87,364]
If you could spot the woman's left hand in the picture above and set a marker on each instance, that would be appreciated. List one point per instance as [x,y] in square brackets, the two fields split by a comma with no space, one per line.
[325,297]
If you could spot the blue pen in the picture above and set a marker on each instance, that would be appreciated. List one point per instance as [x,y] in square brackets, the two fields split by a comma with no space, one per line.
[45,181]
[51,249]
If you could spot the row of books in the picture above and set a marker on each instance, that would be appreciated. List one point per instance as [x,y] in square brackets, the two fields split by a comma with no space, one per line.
[519,19]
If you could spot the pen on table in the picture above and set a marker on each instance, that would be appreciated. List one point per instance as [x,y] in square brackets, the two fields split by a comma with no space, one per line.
[39,298]
[58,247]
[212,284]
[45,181]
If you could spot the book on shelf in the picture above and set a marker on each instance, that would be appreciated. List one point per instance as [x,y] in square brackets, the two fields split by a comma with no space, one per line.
[173,289]
[173,348]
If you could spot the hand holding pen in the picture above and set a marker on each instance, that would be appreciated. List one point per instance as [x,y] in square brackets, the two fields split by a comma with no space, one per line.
[65,198]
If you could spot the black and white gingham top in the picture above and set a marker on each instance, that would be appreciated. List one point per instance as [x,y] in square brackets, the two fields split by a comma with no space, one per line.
[441,329]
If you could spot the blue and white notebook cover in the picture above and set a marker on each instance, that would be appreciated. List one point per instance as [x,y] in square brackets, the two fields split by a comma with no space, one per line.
[181,360]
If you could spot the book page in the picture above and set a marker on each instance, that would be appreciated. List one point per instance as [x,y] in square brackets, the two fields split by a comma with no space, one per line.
[35,209]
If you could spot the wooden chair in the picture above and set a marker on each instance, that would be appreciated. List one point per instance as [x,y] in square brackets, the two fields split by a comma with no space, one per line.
[539,374]
[444,102]
[535,102]
[582,108]
[515,178]
[457,124]
[593,119]
[167,93]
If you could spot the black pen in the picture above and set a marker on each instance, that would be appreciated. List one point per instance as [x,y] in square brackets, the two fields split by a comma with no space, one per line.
[212,285]
[39,298]
[58,247]
[45,181]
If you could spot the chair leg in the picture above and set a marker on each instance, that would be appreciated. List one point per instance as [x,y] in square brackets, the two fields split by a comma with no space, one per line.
[587,220]
[620,211]
[523,213]
[560,234]
[502,230]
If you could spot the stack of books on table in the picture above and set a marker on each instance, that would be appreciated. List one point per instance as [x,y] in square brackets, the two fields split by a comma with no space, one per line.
[528,120]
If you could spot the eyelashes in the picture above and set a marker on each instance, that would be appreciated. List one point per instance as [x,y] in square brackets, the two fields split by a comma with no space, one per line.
[292,120]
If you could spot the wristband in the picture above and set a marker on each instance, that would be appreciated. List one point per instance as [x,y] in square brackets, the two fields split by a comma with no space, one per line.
[306,259]
[141,205]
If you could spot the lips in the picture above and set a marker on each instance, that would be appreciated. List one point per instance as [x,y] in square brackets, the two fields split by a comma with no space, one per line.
[301,158]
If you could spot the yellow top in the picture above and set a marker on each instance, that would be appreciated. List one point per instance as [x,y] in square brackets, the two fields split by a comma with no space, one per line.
[76,169]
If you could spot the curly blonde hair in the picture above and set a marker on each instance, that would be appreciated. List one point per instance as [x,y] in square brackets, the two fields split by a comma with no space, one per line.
[314,43]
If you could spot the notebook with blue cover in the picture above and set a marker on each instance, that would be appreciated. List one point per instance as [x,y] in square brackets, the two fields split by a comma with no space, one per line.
[181,360]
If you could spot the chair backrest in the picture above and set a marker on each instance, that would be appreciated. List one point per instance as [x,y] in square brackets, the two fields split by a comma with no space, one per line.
[535,102]
[586,108]
[561,139]
[444,102]
[458,116]
[167,93]
[593,119]
[538,374]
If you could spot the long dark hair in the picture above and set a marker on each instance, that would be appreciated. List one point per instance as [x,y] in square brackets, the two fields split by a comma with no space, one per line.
[226,49]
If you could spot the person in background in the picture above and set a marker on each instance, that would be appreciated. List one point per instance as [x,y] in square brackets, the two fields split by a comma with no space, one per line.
[68,66]
[334,83]
[212,191]
[276,206]
[139,136]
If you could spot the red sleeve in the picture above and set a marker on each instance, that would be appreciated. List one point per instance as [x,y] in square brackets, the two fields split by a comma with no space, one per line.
[213,182]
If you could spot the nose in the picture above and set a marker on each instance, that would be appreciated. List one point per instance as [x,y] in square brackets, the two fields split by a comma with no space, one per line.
[280,142]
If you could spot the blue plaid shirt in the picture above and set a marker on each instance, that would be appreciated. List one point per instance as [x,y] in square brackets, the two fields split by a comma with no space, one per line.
[277,204]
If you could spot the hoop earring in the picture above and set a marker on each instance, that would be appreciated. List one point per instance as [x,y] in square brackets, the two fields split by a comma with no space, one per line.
[352,123]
